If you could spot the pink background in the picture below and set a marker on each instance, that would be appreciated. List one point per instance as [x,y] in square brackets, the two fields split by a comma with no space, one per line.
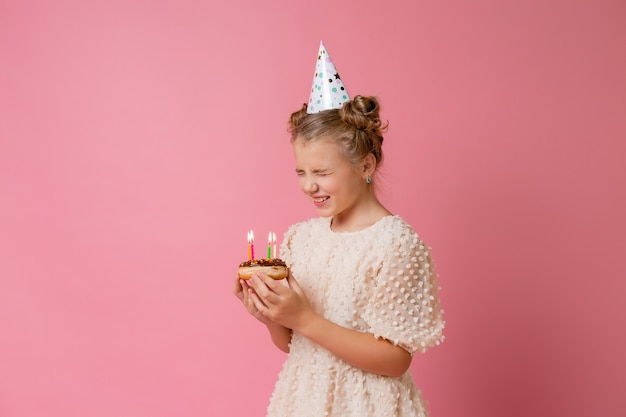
[141,140]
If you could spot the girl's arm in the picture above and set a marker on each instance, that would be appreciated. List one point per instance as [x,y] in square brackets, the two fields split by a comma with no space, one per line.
[361,350]
[289,307]
[281,336]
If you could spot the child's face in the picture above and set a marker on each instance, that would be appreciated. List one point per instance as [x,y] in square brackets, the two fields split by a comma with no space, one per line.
[327,178]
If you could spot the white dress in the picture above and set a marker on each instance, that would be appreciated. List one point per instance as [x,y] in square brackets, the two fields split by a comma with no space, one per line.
[379,280]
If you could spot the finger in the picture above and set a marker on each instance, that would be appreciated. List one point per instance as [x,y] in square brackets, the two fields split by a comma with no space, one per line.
[238,288]
[258,284]
[293,284]
[262,291]
[272,284]
[252,308]
[244,292]
[257,302]
[248,299]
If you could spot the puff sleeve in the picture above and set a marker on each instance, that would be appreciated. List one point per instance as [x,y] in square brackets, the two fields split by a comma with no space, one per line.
[285,246]
[404,307]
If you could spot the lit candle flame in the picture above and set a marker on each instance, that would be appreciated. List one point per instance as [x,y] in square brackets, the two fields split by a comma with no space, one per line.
[271,244]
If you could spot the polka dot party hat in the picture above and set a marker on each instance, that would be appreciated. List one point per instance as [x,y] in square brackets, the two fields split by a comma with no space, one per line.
[328,91]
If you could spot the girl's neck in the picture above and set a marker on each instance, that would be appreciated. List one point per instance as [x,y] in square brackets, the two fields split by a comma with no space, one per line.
[359,217]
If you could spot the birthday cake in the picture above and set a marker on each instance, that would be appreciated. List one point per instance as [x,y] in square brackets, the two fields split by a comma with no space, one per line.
[274,268]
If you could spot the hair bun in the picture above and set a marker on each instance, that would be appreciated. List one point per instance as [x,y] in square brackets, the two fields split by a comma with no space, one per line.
[363,113]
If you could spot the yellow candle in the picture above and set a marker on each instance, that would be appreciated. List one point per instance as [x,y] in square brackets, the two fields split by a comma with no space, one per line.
[274,243]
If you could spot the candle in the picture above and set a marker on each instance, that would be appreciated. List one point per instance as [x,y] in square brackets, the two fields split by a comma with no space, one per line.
[252,244]
[269,246]
[249,246]
[274,243]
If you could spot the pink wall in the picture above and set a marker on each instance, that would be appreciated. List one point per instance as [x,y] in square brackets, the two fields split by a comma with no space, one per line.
[140,141]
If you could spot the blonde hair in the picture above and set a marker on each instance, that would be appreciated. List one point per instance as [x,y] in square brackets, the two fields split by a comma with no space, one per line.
[356,127]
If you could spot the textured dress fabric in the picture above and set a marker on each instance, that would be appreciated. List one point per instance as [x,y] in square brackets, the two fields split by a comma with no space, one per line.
[379,280]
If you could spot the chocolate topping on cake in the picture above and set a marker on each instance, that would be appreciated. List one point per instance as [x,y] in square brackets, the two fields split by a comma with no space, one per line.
[264,262]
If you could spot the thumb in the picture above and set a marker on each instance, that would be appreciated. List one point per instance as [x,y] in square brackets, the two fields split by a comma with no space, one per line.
[293,284]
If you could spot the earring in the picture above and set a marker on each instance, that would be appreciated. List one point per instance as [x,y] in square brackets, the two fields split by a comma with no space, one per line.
[368,180]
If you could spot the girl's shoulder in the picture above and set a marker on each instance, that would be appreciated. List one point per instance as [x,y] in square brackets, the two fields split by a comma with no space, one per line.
[309,226]
[313,223]
[399,233]
[396,225]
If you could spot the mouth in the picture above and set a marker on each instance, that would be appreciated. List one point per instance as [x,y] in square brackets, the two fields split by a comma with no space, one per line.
[320,200]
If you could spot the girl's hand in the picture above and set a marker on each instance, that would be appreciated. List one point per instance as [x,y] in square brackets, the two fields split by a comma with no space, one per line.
[243,291]
[284,305]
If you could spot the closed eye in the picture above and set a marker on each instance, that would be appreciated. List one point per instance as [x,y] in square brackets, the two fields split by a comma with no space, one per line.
[321,173]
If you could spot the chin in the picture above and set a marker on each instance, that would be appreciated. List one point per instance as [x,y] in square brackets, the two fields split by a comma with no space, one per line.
[324,212]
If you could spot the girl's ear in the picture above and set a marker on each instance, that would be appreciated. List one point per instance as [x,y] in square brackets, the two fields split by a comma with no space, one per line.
[369,165]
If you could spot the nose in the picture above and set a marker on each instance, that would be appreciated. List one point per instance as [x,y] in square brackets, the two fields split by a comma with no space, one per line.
[309,186]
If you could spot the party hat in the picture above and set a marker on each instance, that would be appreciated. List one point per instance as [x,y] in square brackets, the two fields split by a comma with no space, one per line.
[328,91]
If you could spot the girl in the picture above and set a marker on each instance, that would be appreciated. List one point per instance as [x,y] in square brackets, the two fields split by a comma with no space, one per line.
[361,297]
